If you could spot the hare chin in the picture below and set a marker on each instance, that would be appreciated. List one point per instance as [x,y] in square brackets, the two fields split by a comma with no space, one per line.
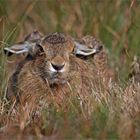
[56,81]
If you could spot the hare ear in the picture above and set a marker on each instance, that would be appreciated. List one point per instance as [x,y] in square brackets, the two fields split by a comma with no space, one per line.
[87,48]
[23,48]
[82,49]
[18,48]
[29,45]
[35,36]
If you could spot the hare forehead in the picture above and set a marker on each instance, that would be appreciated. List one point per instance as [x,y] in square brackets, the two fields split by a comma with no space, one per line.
[58,47]
[55,38]
[56,42]
[55,50]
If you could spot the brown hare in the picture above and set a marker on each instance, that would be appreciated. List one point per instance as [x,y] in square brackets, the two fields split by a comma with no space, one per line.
[52,72]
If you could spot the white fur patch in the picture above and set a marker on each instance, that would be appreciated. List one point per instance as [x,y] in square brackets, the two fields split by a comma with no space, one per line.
[52,69]
[62,70]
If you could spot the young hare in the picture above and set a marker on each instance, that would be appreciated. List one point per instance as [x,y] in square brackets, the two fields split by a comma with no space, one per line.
[51,72]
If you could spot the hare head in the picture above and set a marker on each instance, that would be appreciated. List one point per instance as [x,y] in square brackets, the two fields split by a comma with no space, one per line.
[52,53]
[56,49]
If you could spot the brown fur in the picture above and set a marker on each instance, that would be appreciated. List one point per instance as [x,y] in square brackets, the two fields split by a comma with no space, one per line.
[37,88]
[105,71]
[100,61]
[16,62]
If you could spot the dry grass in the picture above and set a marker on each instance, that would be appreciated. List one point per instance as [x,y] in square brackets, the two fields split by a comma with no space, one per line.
[112,114]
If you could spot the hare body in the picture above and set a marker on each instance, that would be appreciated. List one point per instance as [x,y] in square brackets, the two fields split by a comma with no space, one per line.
[53,75]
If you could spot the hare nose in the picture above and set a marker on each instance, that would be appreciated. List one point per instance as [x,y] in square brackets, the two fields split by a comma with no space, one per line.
[57,67]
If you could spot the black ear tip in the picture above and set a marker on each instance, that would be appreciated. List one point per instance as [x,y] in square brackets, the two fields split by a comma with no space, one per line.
[7,53]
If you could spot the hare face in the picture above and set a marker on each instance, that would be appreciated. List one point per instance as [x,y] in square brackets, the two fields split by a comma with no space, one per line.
[57,49]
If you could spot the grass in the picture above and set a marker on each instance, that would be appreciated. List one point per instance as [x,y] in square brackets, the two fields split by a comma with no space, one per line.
[116,23]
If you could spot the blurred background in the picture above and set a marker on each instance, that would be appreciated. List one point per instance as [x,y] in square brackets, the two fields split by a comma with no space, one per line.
[115,23]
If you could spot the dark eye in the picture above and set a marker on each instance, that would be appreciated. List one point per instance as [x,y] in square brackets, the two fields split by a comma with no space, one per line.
[40,50]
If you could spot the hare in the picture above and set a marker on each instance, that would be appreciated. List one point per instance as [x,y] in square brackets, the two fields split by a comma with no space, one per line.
[52,72]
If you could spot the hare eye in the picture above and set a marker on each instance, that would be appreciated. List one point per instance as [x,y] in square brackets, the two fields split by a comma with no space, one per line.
[40,50]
